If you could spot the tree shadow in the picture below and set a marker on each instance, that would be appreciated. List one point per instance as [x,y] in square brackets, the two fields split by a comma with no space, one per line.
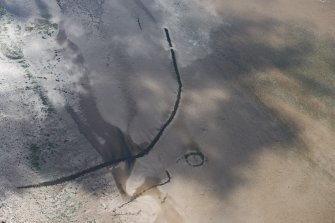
[43,8]
[239,126]
[244,125]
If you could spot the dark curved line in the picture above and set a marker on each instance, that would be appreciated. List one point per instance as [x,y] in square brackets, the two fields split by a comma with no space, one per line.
[142,153]
[168,36]
[140,4]
[134,197]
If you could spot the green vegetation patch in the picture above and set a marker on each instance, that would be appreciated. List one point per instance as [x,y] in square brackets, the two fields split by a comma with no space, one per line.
[11,51]
[43,26]
[2,10]
[38,89]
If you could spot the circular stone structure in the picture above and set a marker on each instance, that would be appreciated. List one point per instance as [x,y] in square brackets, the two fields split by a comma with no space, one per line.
[194,158]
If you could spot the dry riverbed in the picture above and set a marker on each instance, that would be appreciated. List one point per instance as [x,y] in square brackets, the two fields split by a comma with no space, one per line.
[167,111]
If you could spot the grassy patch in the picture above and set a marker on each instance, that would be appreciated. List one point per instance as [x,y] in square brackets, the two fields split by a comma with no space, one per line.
[43,26]
[11,51]
[2,10]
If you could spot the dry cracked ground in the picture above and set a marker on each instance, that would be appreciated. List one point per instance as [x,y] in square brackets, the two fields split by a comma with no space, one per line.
[179,111]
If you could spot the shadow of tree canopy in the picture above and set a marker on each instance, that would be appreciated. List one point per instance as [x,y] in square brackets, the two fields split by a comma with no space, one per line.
[245,126]
[241,126]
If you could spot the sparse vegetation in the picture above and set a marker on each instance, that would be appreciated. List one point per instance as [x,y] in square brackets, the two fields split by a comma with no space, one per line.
[11,51]
[45,26]
[2,10]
